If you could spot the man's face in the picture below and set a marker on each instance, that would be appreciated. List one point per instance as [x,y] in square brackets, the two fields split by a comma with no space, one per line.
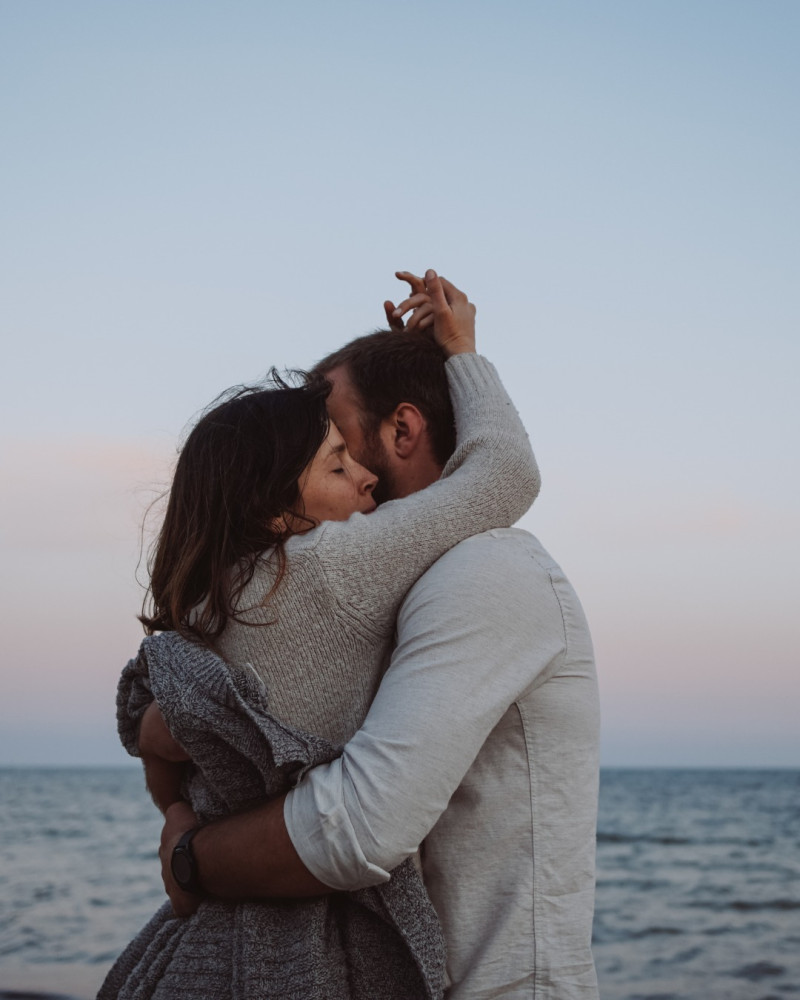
[344,407]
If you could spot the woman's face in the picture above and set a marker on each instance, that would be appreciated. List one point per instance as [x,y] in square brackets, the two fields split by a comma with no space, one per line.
[334,485]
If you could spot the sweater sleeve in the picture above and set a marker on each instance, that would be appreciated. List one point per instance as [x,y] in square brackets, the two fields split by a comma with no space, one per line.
[490,481]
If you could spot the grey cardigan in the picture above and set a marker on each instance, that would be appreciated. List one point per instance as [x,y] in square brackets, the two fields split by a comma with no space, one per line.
[373,943]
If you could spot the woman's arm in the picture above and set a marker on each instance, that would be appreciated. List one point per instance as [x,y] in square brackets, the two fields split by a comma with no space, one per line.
[489,482]
[163,758]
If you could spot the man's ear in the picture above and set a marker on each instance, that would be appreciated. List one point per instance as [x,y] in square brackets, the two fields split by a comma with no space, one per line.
[408,430]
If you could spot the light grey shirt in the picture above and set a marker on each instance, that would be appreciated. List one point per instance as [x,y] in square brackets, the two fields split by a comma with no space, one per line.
[482,741]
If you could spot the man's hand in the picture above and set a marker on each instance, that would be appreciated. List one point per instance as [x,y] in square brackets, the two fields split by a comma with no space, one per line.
[436,301]
[177,820]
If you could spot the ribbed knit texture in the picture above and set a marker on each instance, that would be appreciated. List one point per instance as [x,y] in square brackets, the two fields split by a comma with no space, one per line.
[367,944]
[313,667]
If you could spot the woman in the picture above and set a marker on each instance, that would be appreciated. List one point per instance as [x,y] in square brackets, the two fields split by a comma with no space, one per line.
[266,527]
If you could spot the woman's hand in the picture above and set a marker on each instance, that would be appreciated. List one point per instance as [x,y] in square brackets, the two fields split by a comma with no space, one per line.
[436,301]
[163,758]
[155,740]
[422,314]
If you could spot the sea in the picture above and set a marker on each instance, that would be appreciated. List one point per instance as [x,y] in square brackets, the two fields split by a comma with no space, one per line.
[698,881]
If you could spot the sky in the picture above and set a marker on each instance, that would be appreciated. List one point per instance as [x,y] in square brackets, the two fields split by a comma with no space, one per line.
[193,192]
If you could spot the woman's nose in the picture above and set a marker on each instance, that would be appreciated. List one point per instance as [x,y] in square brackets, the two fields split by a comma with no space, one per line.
[370,481]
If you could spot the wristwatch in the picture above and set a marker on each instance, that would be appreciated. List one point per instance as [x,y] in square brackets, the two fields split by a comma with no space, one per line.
[184,863]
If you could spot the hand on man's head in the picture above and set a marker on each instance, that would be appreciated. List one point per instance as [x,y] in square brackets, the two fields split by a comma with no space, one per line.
[436,302]
[421,317]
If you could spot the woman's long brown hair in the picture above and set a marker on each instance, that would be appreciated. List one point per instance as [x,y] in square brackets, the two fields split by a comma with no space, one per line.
[237,476]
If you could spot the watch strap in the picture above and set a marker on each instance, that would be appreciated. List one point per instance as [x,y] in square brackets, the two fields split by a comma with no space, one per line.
[184,864]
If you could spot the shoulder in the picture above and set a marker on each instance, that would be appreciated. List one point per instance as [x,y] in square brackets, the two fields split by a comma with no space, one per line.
[505,568]
[502,555]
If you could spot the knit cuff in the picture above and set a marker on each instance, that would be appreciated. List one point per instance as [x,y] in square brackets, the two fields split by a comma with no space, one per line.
[473,374]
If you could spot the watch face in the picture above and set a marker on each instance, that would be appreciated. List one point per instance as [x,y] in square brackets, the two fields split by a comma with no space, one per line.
[181,868]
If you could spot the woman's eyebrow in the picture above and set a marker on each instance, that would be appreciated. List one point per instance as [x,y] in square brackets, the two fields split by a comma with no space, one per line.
[338,448]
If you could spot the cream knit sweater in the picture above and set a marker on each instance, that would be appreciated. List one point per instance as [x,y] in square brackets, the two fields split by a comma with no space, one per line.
[327,629]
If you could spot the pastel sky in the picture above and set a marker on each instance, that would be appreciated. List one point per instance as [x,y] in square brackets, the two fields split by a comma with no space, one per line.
[194,191]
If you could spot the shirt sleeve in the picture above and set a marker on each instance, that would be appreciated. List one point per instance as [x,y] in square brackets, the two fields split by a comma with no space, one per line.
[477,631]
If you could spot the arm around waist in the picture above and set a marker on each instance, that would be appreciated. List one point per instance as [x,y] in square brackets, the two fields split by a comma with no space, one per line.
[475,634]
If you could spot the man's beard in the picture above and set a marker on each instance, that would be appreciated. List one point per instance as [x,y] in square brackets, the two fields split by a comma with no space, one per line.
[376,458]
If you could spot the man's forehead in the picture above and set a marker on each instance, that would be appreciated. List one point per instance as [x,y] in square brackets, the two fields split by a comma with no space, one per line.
[345,409]
[344,395]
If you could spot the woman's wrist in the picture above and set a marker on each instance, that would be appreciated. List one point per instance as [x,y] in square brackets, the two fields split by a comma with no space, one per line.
[467,348]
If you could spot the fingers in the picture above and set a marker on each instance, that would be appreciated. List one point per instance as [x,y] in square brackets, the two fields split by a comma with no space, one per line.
[458,299]
[395,322]
[435,288]
[421,318]
[414,302]
[454,315]
[431,297]
[417,283]
[418,304]
[451,292]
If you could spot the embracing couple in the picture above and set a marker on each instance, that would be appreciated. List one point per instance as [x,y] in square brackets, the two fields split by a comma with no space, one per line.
[370,712]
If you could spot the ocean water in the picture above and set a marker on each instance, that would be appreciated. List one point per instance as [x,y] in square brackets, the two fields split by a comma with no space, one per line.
[698,893]
[698,885]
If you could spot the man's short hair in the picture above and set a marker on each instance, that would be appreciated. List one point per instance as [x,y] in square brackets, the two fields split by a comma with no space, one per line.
[387,368]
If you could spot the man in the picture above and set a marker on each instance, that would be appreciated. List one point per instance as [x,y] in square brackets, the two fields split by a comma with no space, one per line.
[481,743]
